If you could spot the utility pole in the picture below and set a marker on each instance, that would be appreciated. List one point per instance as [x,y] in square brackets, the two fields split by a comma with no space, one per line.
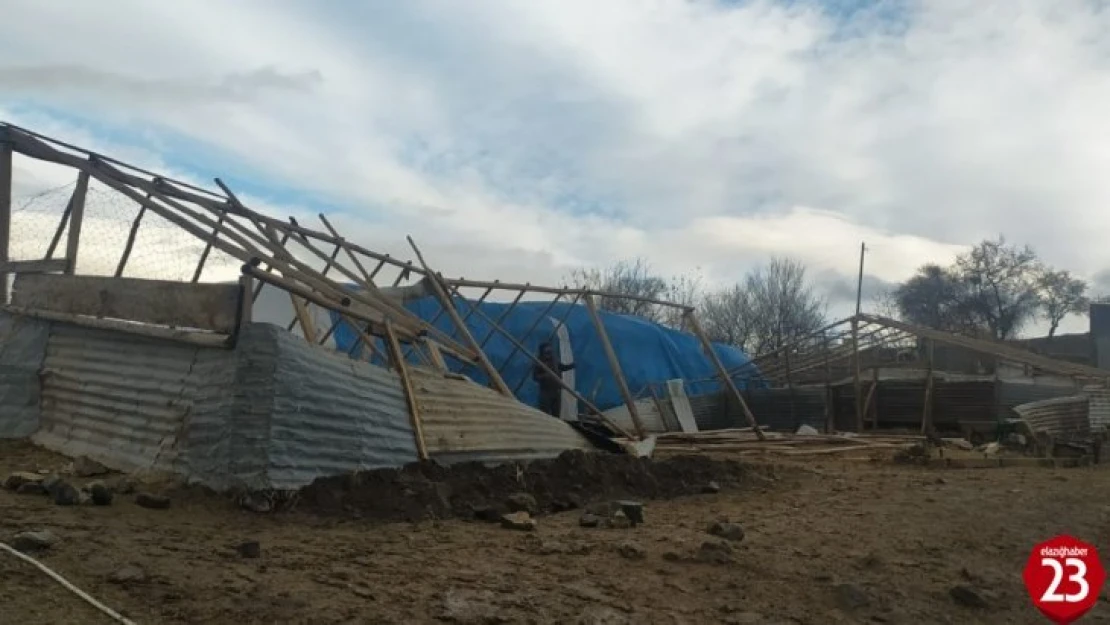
[855,341]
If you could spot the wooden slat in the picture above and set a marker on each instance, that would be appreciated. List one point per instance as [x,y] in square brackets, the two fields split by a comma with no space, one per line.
[34,266]
[205,306]
[76,219]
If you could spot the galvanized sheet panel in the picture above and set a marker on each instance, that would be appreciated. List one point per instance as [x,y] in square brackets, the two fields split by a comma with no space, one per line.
[785,410]
[647,409]
[1099,407]
[332,414]
[712,412]
[1061,417]
[463,421]
[1011,394]
[119,398]
[22,349]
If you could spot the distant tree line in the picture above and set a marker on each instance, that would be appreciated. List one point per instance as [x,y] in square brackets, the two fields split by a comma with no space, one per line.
[993,291]
[773,305]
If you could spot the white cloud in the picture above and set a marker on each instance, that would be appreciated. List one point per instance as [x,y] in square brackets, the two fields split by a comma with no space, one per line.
[519,139]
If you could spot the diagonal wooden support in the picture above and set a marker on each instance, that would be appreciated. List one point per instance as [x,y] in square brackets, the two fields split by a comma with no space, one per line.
[615,366]
[722,372]
[398,362]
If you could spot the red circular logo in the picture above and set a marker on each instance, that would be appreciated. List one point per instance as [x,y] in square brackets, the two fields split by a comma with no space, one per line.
[1064,577]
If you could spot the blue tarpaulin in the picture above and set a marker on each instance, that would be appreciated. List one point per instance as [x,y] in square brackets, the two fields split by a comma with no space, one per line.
[648,352]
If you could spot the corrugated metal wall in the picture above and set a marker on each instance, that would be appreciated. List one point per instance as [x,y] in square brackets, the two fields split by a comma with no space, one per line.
[1011,394]
[1062,417]
[330,414]
[712,412]
[785,410]
[1099,407]
[22,349]
[463,421]
[120,398]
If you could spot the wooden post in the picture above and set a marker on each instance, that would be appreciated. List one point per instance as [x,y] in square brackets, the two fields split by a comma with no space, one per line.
[134,232]
[445,300]
[927,409]
[324,272]
[76,217]
[5,209]
[790,390]
[207,244]
[57,238]
[830,401]
[858,395]
[875,401]
[435,354]
[246,304]
[707,346]
[398,361]
[615,365]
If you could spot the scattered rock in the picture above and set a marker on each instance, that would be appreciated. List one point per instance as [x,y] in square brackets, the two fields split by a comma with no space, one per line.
[745,618]
[851,597]
[618,521]
[728,531]
[634,510]
[712,488]
[589,520]
[31,488]
[569,501]
[256,502]
[959,443]
[65,494]
[521,521]
[250,549]
[84,466]
[130,574]
[631,551]
[490,513]
[967,596]
[807,430]
[601,615]
[154,502]
[51,482]
[522,502]
[672,556]
[470,606]
[19,478]
[100,494]
[714,552]
[34,541]
[941,481]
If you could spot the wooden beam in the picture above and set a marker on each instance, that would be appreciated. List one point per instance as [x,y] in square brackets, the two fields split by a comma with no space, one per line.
[435,354]
[207,244]
[501,317]
[134,232]
[551,337]
[308,327]
[200,339]
[855,373]
[246,303]
[76,219]
[722,372]
[927,408]
[615,367]
[323,273]
[468,338]
[34,266]
[532,328]
[50,249]
[161,302]
[398,361]
[5,208]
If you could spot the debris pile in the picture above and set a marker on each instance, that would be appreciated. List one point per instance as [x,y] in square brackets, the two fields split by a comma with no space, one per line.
[427,490]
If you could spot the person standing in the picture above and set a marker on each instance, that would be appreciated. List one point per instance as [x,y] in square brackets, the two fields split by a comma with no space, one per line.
[551,389]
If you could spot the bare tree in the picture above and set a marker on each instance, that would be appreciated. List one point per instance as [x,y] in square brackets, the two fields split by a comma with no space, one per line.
[1060,295]
[627,277]
[782,306]
[1003,283]
[725,317]
[685,291]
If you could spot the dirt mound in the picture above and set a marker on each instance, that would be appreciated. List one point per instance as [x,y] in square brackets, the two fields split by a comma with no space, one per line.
[428,490]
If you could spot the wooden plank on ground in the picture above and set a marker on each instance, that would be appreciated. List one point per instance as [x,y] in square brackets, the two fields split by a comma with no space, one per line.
[34,266]
[178,304]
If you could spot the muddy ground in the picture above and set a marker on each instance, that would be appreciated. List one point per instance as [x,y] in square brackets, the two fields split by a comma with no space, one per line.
[825,542]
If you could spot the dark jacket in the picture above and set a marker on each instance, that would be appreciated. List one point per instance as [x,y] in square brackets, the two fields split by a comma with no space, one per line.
[548,382]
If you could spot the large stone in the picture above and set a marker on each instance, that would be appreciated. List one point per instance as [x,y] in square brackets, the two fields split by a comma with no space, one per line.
[634,510]
[31,488]
[100,494]
[130,574]
[33,541]
[65,494]
[19,478]
[631,551]
[250,549]
[589,520]
[728,531]
[520,521]
[84,466]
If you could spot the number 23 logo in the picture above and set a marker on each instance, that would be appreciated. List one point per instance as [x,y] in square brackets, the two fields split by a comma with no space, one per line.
[1052,594]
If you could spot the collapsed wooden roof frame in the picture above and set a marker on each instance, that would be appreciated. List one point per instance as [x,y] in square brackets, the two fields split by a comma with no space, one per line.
[222,222]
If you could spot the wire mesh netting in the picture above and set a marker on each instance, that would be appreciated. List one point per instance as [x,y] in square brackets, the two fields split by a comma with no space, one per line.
[159,250]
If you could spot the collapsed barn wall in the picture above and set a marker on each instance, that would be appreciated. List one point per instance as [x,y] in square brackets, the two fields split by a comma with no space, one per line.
[274,412]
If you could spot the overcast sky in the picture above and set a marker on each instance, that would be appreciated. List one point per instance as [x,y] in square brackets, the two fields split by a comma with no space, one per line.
[520,138]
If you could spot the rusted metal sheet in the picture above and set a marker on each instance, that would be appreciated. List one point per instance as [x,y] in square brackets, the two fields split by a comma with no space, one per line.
[1011,394]
[123,399]
[464,421]
[1060,417]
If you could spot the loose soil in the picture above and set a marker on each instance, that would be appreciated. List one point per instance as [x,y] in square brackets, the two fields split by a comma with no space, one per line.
[825,542]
